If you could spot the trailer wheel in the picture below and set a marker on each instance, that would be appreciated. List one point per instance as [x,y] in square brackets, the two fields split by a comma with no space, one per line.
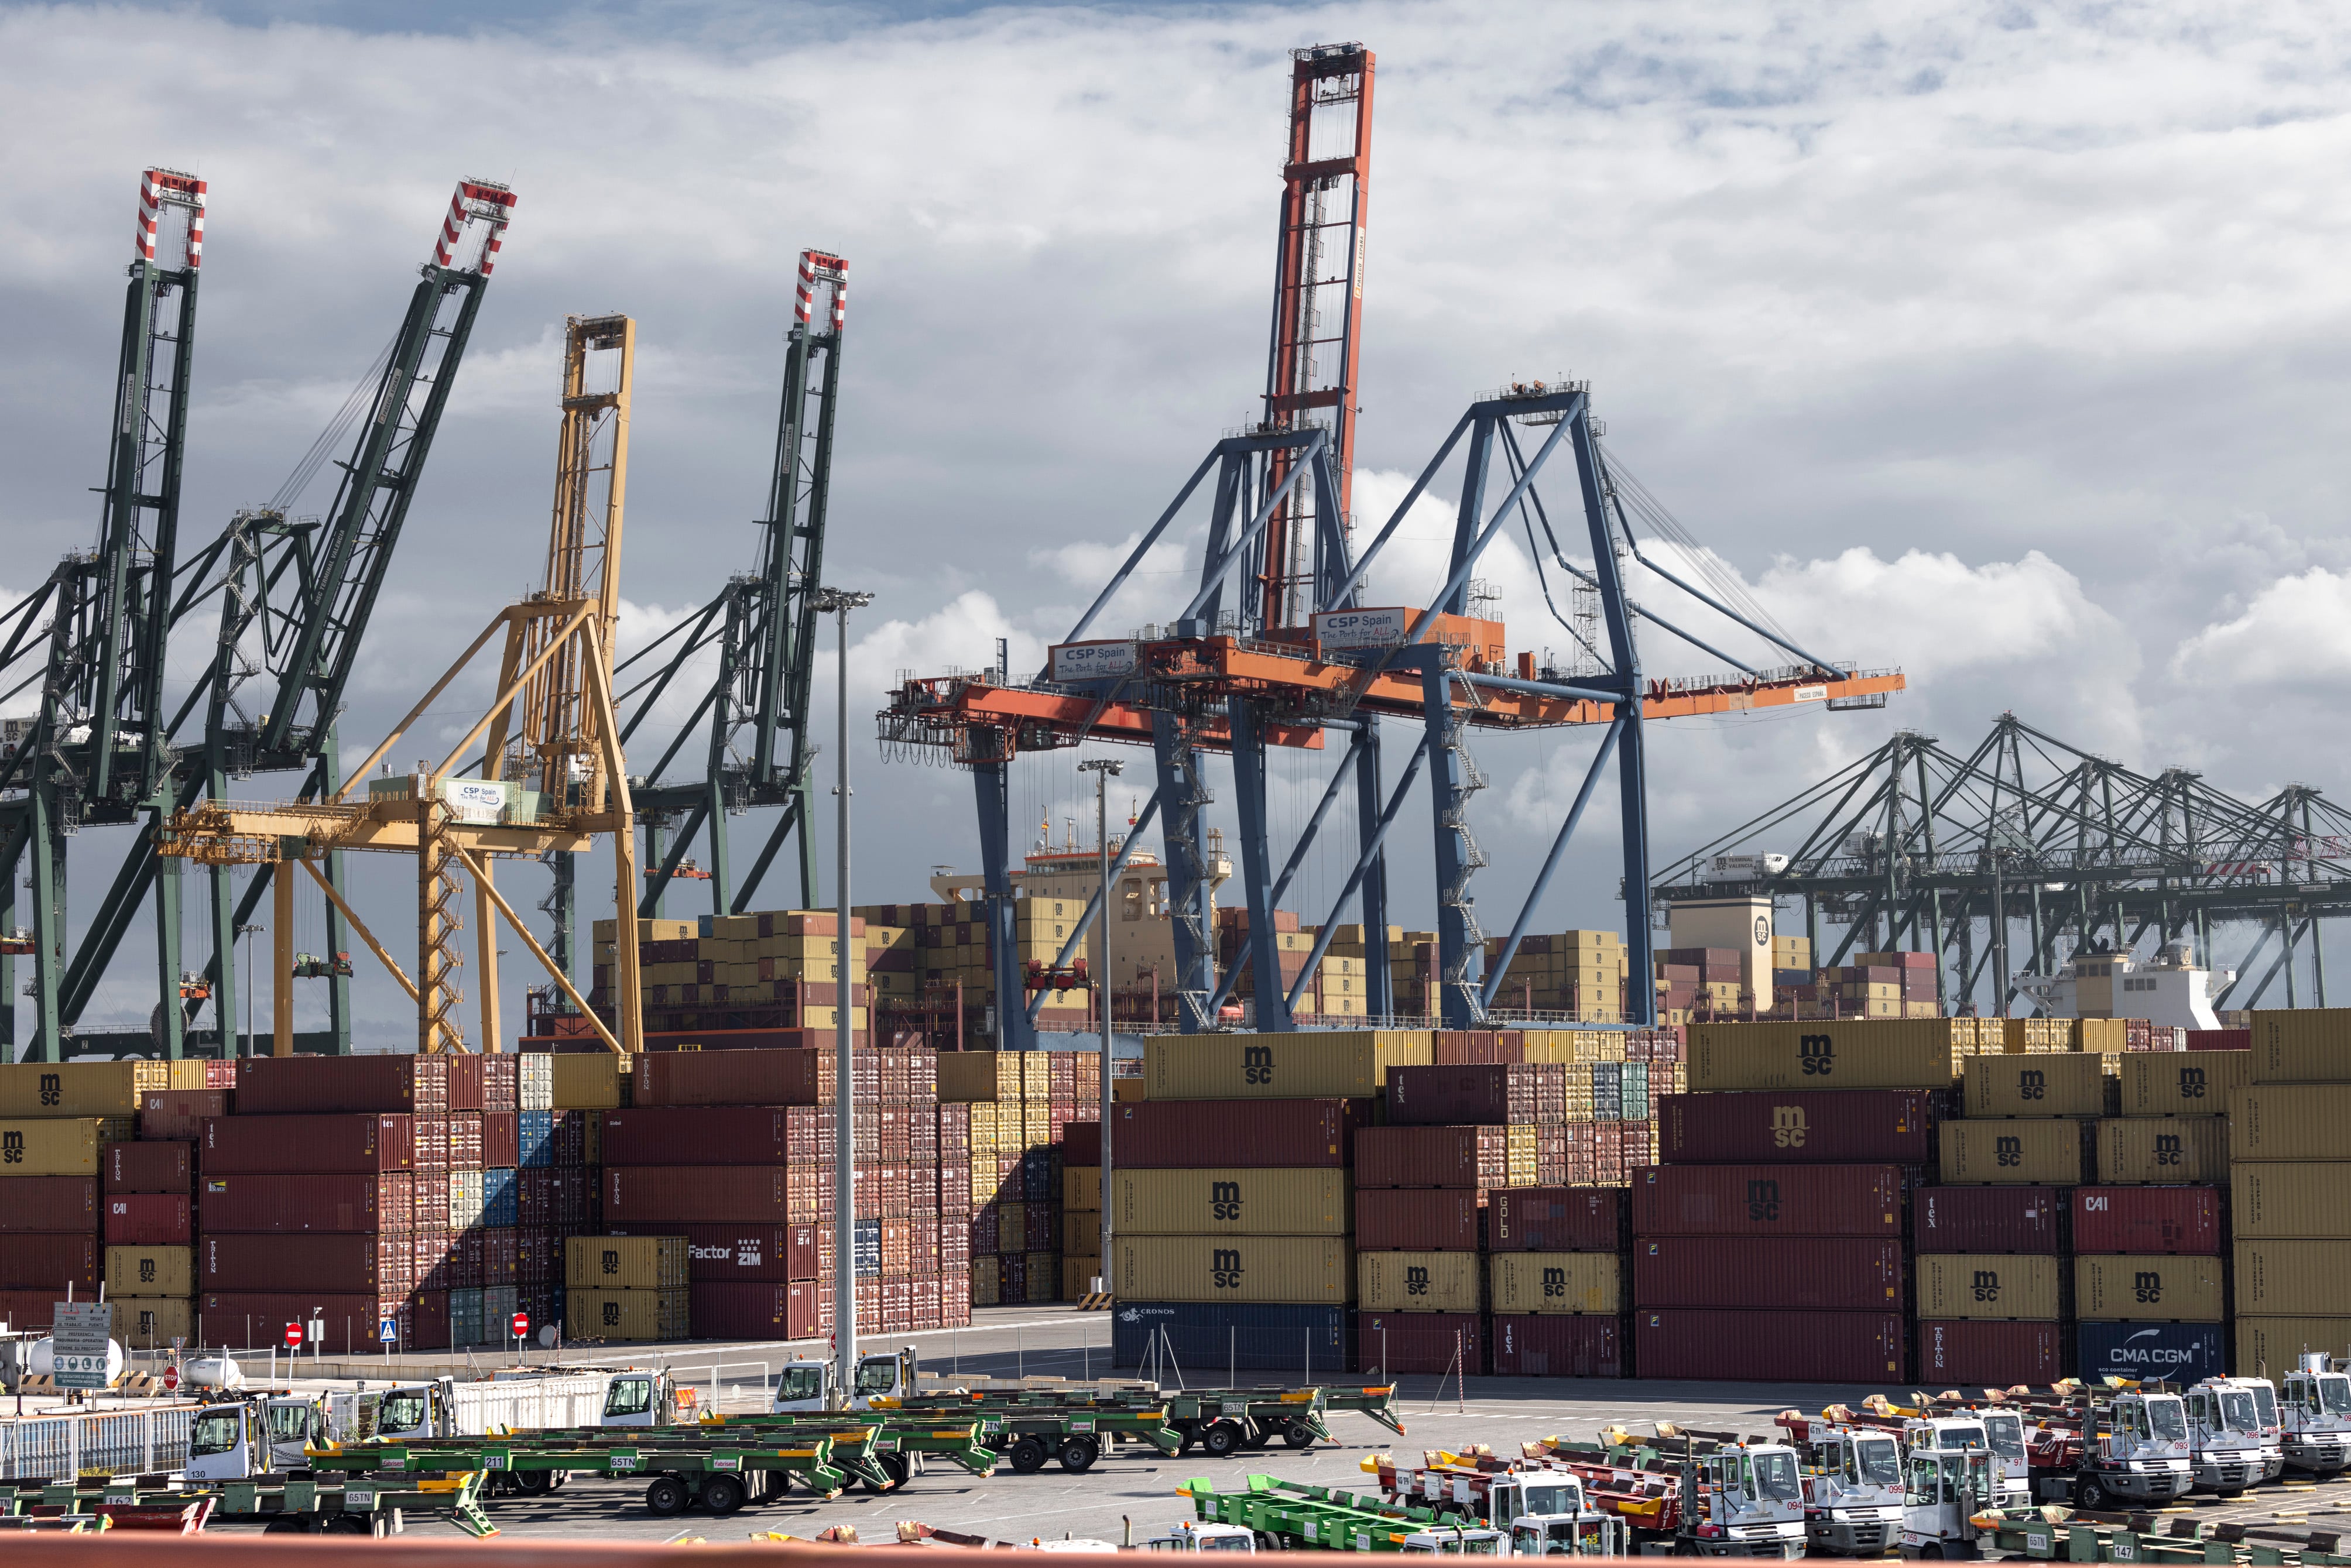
[667,1495]
[2089,1494]
[537,1483]
[1191,1436]
[1299,1435]
[1222,1438]
[2232,1496]
[723,1494]
[347,1524]
[1078,1455]
[290,1524]
[1028,1457]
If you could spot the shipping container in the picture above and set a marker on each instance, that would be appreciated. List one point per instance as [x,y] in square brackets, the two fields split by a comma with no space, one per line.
[2180,1082]
[2146,1287]
[1557,1220]
[585,1081]
[1560,1283]
[44,1261]
[282,1085]
[1420,1281]
[747,1254]
[1990,1219]
[2302,1045]
[383,1264]
[758,1195]
[1231,1201]
[2286,1122]
[1772,1347]
[1389,1345]
[90,1088]
[2041,1085]
[1828,1053]
[153,1323]
[2179,1353]
[1081,1185]
[753,1309]
[2169,1150]
[2004,1286]
[2147,1219]
[1837,1273]
[49,1203]
[1316,1066]
[2001,1355]
[1799,1126]
[714,1135]
[2276,1342]
[1469,1157]
[150,1272]
[1235,1268]
[1769,1200]
[1489,1094]
[177,1115]
[1555,1346]
[626,1263]
[2043,1153]
[146,1166]
[149,1220]
[629,1314]
[2307,1278]
[292,1205]
[1418,1219]
[1196,1134]
[2282,1197]
[59,1147]
[1231,1338]
[270,1145]
[256,1319]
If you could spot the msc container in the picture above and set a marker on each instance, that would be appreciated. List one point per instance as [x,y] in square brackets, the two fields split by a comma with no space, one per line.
[149,1220]
[1798,1126]
[2147,1219]
[268,1146]
[58,1147]
[2010,1286]
[2145,1287]
[1390,1343]
[1828,1053]
[2302,1045]
[148,1167]
[1554,1282]
[177,1115]
[2291,1122]
[754,1195]
[2056,1152]
[1317,1066]
[1776,1347]
[2052,1084]
[753,1309]
[581,1082]
[2178,1353]
[2180,1082]
[1235,1336]
[1834,1273]
[2277,1343]
[627,1314]
[1989,1219]
[258,1317]
[1555,1345]
[152,1322]
[1473,1158]
[378,1265]
[1418,1219]
[41,1261]
[90,1088]
[1232,1201]
[750,1254]
[626,1263]
[1299,1269]
[1419,1281]
[2166,1149]
[2002,1355]
[279,1085]
[49,1203]
[293,1205]
[1557,1220]
[1768,1200]
[150,1272]
[1204,1134]
[2292,1279]
[2281,1198]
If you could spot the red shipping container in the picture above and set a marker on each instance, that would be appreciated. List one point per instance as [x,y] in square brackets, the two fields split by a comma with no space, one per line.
[146,1166]
[501,1139]
[465,1083]
[1492,1094]
[1477,1157]
[29,1311]
[1388,1343]
[1989,1219]
[1768,1200]
[764,1077]
[1836,1273]
[501,1253]
[295,1205]
[1770,1347]
[1542,1345]
[279,1085]
[465,1140]
[1994,1354]
[634,1195]
[45,1261]
[1807,1126]
[49,1203]
[2219,1039]
[1418,1219]
[1460,1046]
[258,1318]
[428,1320]
[177,1115]
[377,1265]
[1555,1220]
[754,1312]
[752,1254]
[716,1136]
[2183,1219]
[1200,1135]
[1080,1142]
[272,1145]
[149,1219]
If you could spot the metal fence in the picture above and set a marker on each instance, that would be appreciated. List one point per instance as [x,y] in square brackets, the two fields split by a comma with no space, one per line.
[49,1447]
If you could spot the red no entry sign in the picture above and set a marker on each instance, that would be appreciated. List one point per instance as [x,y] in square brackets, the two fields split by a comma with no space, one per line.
[294,1334]
[521,1324]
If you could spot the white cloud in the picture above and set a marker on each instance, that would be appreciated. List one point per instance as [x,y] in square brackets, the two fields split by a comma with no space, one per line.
[2295,633]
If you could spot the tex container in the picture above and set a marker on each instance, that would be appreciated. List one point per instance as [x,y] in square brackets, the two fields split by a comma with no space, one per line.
[149,1220]
[1297,1269]
[1830,1273]
[2052,1084]
[150,1272]
[1317,1066]
[341,1203]
[1798,1126]
[786,1309]
[2277,1343]
[39,1260]
[1769,1200]
[1230,1202]
[627,1314]
[2282,1197]
[2302,1045]
[2307,1278]
[266,1146]
[2181,1353]
[58,1147]
[1417,1219]
[1390,1343]
[706,1135]
[145,1167]
[1204,1134]
[373,1265]
[2170,1150]
[1989,1219]
[49,1203]
[2040,1152]
[177,1115]
[1828,1053]
[1993,1286]
[281,1085]
[1474,1157]
[1419,1281]
[259,1318]
[747,1254]
[626,1263]
[1235,1336]
[2180,1082]
[634,1195]
[2290,1122]
[90,1088]
[1587,1283]
[2001,1355]
[2147,1219]
[1553,1345]
[1556,1219]
[2149,1287]
[1775,1347]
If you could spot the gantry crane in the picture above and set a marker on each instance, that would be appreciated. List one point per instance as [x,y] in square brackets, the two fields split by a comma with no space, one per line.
[550,777]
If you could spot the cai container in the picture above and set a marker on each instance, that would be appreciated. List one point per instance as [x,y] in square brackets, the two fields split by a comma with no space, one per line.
[2181,1354]
[1798,1126]
[1198,1135]
[1561,1282]
[1422,1220]
[1232,1201]
[149,1219]
[295,1205]
[750,1254]
[634,1195]
[2019,1149]
[2005,1286]
[2144,1287]
[282,1085]
[380,1264]
[1767,1346]
[1556,1219]
[1989,1219]
[1471,1157]
[1232,1337]
[1544,1345]
[2147,1219]
[1420,1281]
[1768,1200]
[266,1146]
[49,1203]
[1994,1354]
[2285,1197]
[1312,1269]
[177,1115]
[1834,1273]
[43,1259]
[350,1319]
[1388,1345]
[148,1167]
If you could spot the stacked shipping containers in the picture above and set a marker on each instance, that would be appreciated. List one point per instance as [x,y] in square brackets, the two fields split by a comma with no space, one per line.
[2290,1172]
[772,979]
[1555,1277]
[1020,1110]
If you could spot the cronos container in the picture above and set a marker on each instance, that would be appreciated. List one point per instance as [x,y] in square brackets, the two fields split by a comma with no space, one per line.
[1548,1282]
[54,1261]
[2277,1342]
[2292,1279]
[1431,1157]
[1389,1343]
[1790,1347]
[2271,1199]
[150,1272]
[701,1135]
[2290,1122]
[1556,1219]
[2147,1219]
[1989,1219]
[295,1205]
[2054,1084]
[634,1195]
[2142,1286]
[350,1319]
[1828,1053]
[281,1085]
[1552,1345]
[1235,1336]
[1768,1200]
[1418,1219]
[2166,1149]
[2180,1082]
[1279,1066]
[149,1219]
[1826,1273]
[61,1147]
[1797,1126]
[378,1265]
[2178,1353]
[49,1203]
[148,1167]
[1307,1269]
[2045,1153]
[1233,1201]
[748,1254]
[1419,1281]
[1204,1134]
[2002,1355]
[2302,1045]
[1992,1286]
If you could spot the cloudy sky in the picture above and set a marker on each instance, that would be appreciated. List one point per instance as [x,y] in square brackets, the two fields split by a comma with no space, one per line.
[2000,343]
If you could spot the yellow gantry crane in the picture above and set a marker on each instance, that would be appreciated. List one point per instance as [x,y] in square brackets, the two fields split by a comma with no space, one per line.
[550,777]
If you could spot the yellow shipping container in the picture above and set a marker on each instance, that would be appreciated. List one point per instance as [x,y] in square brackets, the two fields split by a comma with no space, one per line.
[1991,1286]
[2163,1150]
[2270,1198]
[1314,1271]
[2052,1153]
[2274,1344]
[2290,1122]
[2071,1085]
[2292,1279]
[969,1077]
[587,1082]
[1082,1235]
[1567,1284]
[626,1263]
[1011,1223]
[152,1322]
[1418,1281]
[1230,1202]
[2181,1082]
[1828,1053]
[150,1271]
[986,1282]
[2302,1045]
[90,1088]
[2149,1288]
[1340,1064]
[626,1314]
[1081,1187]
[61,1147]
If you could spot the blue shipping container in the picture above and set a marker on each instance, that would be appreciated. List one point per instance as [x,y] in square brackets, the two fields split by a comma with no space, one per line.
[867,1237]
[2180,1352]
[534,1138]
[1040,1176]
[1205,1340]
[500,1195]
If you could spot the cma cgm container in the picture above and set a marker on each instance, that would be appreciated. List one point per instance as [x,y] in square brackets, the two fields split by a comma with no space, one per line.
[1230,1201]
[2146,1219]
[282,1085]
[2178,1353]
[1799,1126]
[1998,1354]
[1989,1219]
[1557,1220]
[1292,1269]
[1779,1347]
[1476,1158]
[1769,1200]
[1154,1134]
[1557,1347]
[1832,1274]
[290,1205]
[747,1254]
[1237,1337]
[265,1146]
[1387,1344]
[1416,1219]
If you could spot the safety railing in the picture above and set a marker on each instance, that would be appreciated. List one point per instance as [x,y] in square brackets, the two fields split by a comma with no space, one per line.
[68,1444]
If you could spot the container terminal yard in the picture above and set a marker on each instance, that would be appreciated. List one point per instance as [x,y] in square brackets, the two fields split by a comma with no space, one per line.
[1097,1200]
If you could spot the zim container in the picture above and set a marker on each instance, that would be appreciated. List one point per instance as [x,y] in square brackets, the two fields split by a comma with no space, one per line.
[58,1147]
[2056,1084]
[266,1145]
[628,1314]
[1557,1220]
[2276,1342]
[2290,1122]
[1231,1201]
[1292,1269]
[1778,1347]
[150,1272]
[2141,1286]
[146,1166]
[2304,1278]
[1320,1065]
[1418,1219]
[1769,1200]
[2180,1082]
[1419,1281]
[2001,1355]
[2181,1354]
[373,1265]
[149,1219]
[1473,1158]
[1390,1343]
[1550,1345]
[41,1261]
[2050,1152]
[626,1263]
[1235,1337]
[2281,1198]
[2170,1150]
[1204,1134]
[294,1205]
[750,1254]
[1834,1273]
[1991,1286]
[49,1203]
[634,1195]
[1554,1282]
[2147,1219]
[1798,1126]
[1989,1219]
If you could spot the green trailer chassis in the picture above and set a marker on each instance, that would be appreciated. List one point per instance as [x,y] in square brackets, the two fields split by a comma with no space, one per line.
[366,1505]
[1293,1515]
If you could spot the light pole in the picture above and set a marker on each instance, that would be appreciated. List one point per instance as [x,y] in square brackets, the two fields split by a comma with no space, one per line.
[229,1048]
[1104,769]
[838,602]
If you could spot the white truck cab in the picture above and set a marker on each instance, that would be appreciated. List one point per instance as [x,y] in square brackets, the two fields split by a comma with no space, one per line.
[1944,1491]
[1188,1537]
[639,1397]
[2000,1431]
[1461,1541]
[2234,1434]
[1853,1493]
[2317,1412]
[885,1375]
[1743,1501]
[237,1440]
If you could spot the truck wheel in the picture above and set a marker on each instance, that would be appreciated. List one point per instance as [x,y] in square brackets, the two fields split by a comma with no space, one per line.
[536,1483]
[2232,1496]
[1222,1439]
[1299,1435]
[723,1494]
[2089,1494]
[667,1495]
[1028,1457]
[1078,1455]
